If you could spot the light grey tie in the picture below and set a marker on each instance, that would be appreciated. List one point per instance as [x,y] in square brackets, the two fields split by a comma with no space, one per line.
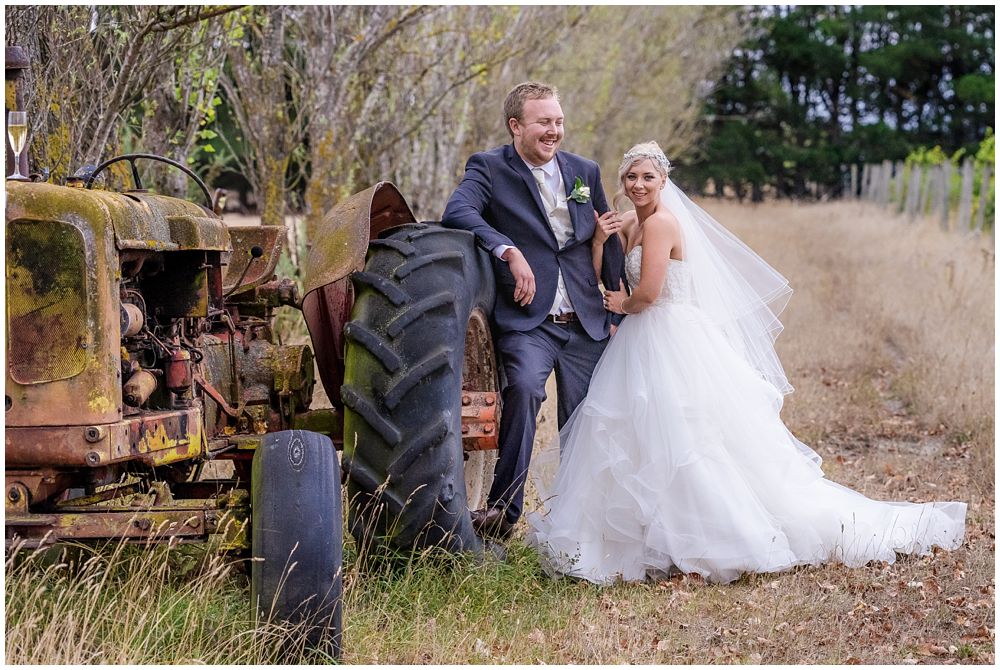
[543,188]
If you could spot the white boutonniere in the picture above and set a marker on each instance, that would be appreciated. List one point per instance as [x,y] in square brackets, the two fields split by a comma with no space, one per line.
[580,193]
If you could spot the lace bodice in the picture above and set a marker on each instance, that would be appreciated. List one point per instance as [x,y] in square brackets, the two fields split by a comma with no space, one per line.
[677,287]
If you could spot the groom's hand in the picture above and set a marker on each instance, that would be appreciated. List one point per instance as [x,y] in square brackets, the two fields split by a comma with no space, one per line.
[524,278]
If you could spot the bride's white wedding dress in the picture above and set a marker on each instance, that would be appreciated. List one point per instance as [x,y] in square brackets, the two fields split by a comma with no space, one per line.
[678,458]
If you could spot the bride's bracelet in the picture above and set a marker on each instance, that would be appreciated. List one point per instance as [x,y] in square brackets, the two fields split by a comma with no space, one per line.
[622,307]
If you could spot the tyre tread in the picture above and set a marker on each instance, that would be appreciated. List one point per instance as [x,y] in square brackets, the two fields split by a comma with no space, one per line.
[411,266]
[418,309]
[364,407]
[404,384]
[390,290]
[376,345]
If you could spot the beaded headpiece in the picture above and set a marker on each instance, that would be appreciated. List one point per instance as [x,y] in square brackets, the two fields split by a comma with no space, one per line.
[655,156]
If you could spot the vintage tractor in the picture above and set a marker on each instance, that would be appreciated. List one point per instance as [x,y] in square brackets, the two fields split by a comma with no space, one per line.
[146,397]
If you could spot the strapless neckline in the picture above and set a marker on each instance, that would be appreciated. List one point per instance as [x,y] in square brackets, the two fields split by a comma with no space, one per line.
[638,247]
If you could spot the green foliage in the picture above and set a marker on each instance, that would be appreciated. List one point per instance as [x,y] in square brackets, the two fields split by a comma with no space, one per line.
[821,87]
[987,153]
[926,157]
[982,154]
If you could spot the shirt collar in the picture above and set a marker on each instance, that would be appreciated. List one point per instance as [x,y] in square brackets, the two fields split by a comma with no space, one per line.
[549,168]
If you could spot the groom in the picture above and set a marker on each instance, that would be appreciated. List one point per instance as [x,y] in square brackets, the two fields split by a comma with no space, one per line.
[534,208]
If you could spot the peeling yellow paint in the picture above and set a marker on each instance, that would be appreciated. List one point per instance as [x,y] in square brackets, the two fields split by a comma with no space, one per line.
[99,402]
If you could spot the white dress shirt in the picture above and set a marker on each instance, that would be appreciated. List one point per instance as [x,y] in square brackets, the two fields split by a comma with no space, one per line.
[561,229]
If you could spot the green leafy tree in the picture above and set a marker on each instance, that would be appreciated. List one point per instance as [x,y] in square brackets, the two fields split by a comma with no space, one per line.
[827,86]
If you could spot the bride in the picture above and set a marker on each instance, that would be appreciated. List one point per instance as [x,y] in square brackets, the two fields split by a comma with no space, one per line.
[678,459]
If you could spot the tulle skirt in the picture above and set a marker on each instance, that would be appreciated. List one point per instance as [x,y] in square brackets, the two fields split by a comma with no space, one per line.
[678,460]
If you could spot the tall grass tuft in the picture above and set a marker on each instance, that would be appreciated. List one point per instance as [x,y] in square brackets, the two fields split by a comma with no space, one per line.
[122,604]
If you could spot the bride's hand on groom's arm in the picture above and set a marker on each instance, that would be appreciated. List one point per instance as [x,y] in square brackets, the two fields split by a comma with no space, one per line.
[614,301]
[524,278]
[608,224]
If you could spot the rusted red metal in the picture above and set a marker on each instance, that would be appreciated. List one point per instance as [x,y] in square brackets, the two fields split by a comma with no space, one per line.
[153,525]
[479,420]
[138,388]
[480,387]
[24,487]
[156,438]
[178,373]
[340,243]
[326,311]
[215,395]
[256,251]
[129,512]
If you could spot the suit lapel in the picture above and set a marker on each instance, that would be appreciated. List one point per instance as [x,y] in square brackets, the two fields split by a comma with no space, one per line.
[568,181]
[521,168]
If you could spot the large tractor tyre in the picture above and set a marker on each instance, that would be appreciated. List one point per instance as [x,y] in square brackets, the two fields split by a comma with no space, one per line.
[424,288]
[297,535]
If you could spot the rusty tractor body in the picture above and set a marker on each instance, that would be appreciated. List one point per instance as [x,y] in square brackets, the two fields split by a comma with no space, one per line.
[140,349]
[128,363]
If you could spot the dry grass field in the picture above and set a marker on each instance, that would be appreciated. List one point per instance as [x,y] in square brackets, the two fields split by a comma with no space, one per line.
[889,342]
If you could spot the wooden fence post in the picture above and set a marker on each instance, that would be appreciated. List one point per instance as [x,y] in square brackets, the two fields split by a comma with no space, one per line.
[945,194]
[984,197]
[913,192]
[927,178]
[854,180]
[866,181]
[884,186]
[899,186]
[965,196]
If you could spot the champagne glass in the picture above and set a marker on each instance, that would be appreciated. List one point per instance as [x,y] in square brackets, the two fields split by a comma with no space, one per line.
[17,132]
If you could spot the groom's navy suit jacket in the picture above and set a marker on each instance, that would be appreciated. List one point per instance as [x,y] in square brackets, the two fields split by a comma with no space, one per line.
[498,200]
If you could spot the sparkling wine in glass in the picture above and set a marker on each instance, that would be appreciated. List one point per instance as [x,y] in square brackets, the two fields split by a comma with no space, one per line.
[17,133]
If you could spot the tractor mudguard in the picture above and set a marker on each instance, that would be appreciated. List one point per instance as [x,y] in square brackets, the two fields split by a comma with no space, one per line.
[338,249]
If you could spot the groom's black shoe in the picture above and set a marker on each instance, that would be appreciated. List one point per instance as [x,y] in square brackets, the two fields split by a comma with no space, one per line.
[492,522]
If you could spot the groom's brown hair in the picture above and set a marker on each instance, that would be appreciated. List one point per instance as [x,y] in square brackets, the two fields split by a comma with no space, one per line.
[513,105]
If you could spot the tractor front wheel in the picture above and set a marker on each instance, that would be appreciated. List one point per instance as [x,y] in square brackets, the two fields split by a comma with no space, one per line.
[297,535]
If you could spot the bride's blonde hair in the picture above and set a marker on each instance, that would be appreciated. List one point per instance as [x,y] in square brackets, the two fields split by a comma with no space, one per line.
[639,152]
